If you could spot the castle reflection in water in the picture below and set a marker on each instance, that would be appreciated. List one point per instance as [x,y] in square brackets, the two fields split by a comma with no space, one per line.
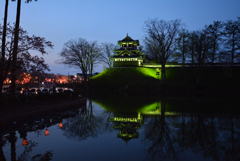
[161,132]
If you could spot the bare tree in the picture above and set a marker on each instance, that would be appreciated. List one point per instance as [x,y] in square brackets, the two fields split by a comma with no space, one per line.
[192,46]
[84,125]
[160,40]
[199,46]
[93,56]
[2,142]
[183,45]
[81,54]
[214,34]
[107,52]
[15,47]
[202,45]
[4,33]
[232,38]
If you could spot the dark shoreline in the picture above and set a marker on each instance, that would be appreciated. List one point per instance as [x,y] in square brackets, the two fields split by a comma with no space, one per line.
[37,107]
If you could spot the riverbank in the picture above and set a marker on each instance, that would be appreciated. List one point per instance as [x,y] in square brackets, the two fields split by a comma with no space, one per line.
[24,107]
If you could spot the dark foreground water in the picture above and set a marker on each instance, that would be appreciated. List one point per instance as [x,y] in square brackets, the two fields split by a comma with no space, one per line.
[124,131]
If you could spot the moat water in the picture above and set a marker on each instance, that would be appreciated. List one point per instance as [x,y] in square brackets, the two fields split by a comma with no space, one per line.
[120,130]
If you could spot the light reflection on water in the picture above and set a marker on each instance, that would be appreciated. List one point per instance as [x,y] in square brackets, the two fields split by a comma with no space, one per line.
[102,130]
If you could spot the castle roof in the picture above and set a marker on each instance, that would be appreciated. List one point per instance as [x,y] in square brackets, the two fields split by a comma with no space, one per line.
[128,39]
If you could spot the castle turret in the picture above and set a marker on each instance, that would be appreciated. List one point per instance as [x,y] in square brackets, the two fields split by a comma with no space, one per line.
[128,54]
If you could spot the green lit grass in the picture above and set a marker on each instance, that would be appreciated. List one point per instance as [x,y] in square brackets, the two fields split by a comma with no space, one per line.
[138,72]
[123,80]
[149,72]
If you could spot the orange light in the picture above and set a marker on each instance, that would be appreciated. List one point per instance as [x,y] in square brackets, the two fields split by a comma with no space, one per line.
[46,132]
[60,125]
[49,80]
[25,78]
[7,81]
[25,142]
[62,79]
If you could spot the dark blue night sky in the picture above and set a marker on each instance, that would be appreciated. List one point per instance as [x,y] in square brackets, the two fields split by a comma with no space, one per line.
[110,20]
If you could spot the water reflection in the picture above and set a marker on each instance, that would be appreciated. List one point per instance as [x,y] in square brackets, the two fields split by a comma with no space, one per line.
[127,124]
[18,129]
[152,129]
[173,135]
[85,124]
[159,136]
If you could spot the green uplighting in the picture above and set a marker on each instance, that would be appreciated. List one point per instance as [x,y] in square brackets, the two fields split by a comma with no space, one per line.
[100,74]
[149,72]
[138,71]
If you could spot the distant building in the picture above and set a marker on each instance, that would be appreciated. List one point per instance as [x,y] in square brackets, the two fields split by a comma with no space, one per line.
[128,54]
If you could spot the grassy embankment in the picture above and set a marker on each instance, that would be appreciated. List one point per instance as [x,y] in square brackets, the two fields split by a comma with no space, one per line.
[124,80]
[206,81]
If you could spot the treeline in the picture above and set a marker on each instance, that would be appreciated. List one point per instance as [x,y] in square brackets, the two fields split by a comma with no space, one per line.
[168,41]
[218,42]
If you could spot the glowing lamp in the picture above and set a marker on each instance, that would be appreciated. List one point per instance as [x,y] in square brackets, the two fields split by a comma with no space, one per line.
[25,142]
[46,132]
[60,125]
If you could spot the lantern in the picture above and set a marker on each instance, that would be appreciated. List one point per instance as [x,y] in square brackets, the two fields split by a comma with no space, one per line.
[25,142]
[60,125]
[46,132]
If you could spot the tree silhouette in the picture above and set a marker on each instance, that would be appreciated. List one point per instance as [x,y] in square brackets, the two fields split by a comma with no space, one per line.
[15,45]
[218,42]
[81,54]
[214,33]
[160,40]
[2,142]
[158,133]
[84,124]
[4,33]
[107,51]
[232,39]
[183,45]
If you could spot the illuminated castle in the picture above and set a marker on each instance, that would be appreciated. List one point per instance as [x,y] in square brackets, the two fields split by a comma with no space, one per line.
[128,54]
